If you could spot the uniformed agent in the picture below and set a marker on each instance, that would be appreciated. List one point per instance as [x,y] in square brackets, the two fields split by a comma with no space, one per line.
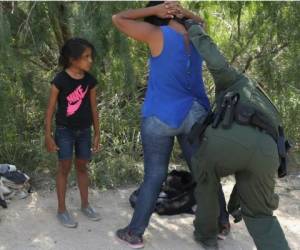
[242,137]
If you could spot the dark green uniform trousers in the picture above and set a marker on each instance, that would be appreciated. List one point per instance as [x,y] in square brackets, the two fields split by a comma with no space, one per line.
[252,156]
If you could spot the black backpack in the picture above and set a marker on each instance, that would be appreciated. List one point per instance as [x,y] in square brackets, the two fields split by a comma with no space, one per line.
[176,196]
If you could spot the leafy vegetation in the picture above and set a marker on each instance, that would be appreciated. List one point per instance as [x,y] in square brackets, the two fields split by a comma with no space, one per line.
[259,38]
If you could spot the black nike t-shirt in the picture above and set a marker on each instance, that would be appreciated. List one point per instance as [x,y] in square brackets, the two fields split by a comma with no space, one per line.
[73,107]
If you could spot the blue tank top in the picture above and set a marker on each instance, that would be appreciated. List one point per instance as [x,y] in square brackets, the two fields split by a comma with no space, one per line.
[175,81]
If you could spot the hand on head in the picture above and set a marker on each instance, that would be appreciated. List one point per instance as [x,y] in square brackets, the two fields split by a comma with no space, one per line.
[169,9]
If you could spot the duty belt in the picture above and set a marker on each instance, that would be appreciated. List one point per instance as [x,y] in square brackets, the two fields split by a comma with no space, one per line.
[231,110]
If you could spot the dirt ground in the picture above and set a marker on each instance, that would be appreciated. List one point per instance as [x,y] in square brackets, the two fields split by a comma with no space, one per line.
[31,224]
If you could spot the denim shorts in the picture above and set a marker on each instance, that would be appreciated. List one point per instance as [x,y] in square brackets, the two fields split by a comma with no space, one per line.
[67,139]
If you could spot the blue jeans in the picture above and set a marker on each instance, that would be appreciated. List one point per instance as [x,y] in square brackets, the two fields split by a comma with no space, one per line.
[158,141]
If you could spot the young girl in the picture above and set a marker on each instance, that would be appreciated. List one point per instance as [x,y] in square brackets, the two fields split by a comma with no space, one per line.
[73,92]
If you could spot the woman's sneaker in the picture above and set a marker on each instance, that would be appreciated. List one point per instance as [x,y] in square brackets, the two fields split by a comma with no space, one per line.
[90,213]
[66,219]
[132,240]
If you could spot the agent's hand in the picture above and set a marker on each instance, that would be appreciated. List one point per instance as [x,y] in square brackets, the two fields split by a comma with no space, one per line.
[166,9]
[50,144]
[96,144]
[185,13]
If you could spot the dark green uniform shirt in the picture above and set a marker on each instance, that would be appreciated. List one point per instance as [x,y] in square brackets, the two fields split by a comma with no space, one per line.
[228,79]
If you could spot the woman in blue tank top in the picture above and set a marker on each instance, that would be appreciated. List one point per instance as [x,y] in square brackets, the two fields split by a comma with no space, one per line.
[175,100]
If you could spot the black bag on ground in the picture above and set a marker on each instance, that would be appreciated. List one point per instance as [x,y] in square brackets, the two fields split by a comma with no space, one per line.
[176,196]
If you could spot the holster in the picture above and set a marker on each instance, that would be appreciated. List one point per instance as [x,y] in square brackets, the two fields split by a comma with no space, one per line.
[225,111]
